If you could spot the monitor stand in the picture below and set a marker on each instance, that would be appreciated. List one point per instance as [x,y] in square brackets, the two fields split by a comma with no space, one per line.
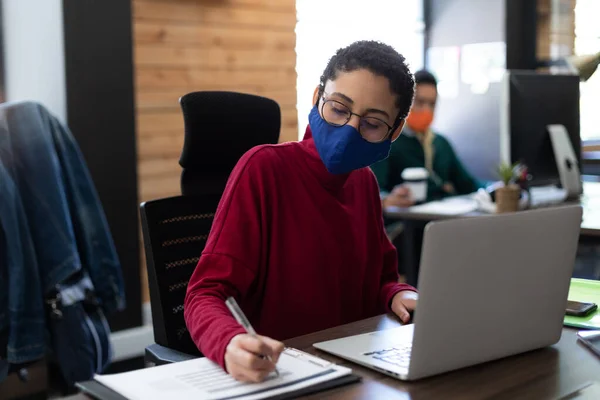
[566,161]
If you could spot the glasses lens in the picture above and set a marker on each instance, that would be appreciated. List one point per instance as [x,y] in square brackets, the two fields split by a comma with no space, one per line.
[336,113]
[373,129]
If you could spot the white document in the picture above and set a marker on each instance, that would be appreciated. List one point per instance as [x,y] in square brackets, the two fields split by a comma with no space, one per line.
[451,206]
[201,379]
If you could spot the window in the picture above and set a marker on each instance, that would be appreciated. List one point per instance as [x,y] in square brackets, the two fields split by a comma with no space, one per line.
[587,41]
[325,26]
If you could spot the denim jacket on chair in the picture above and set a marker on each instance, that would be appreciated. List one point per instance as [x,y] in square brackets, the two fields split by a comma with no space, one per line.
[53,226]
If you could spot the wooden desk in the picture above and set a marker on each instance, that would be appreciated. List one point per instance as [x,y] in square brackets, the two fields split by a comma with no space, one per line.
[414,224]
[542,374]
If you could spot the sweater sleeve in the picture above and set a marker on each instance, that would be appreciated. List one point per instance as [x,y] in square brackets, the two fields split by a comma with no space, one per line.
[389,274]
[229,263]
[389,277]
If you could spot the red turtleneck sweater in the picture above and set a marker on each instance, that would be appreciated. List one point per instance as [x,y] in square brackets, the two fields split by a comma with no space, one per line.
[299,248]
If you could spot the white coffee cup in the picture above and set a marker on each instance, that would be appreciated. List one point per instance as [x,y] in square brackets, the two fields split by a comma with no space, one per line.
[415,179]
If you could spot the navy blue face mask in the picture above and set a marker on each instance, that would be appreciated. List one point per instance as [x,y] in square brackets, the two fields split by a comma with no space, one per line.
[341,148]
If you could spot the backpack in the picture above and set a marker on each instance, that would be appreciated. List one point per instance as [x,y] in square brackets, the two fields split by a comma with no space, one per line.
[79,332]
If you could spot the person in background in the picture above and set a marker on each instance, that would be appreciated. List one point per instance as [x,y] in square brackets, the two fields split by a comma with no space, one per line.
[419,146]
[298,237]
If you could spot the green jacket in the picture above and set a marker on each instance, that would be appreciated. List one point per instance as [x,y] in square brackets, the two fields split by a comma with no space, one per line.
[407,152]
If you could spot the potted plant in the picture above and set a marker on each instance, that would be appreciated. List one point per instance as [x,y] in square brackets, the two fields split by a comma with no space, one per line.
[508,195]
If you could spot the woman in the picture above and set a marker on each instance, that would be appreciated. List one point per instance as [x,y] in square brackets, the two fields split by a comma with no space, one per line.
[298,237]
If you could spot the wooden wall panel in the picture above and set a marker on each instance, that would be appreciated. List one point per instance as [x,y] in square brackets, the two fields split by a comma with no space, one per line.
[556,28]
[172,55]
[230,37]
[220,13]
[187,45]
[185,78]
[182,46]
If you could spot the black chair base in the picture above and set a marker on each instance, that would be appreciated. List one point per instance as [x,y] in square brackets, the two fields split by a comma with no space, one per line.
[160,355]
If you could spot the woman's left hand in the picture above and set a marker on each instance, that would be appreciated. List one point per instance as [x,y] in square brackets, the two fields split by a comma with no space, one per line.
[404,302]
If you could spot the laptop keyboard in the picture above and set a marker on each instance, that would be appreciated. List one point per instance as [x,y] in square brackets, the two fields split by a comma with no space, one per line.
[398,355]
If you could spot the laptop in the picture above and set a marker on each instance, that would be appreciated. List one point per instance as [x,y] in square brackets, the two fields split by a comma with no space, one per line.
[489,287]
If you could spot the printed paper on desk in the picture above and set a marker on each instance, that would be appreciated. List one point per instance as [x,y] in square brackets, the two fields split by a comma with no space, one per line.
[201,379]
[457,206]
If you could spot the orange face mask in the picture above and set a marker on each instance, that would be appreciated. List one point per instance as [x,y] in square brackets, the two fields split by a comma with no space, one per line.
[419,121]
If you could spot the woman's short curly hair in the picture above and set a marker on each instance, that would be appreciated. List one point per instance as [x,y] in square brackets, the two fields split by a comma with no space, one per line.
[381,59]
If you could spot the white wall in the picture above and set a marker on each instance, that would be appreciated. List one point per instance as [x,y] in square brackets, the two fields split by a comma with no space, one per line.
[587,41]
[34,53]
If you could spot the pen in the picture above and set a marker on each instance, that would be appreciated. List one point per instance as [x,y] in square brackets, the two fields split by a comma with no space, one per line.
[240,317]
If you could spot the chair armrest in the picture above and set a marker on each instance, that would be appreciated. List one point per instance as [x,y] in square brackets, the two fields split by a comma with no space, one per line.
[160,355]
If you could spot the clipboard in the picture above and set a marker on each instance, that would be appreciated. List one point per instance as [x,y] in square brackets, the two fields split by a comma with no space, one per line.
[98,391]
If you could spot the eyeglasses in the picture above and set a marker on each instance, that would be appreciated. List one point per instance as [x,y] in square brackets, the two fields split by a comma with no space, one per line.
[372,129]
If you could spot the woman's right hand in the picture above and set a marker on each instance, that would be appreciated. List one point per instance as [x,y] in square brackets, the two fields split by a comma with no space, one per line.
[247,357]
[399,197]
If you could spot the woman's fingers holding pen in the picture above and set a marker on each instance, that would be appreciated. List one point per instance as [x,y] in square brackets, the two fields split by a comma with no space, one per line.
[255,344]
[275,346]
[246,351]
[245,357]
[244,365]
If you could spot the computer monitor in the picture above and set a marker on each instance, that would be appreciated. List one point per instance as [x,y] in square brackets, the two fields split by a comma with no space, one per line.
[530,102]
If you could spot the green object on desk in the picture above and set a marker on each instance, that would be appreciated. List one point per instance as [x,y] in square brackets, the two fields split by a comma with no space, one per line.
[584,290]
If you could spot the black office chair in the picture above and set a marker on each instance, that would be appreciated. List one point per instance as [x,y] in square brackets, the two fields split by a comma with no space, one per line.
[219,128]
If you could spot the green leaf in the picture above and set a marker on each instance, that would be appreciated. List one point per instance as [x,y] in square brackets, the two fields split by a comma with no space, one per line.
[506,172]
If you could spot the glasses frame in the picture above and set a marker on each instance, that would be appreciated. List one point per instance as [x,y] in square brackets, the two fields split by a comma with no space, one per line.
[387,135]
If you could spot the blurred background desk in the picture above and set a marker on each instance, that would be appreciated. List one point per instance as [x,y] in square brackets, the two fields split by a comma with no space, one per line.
[588,256]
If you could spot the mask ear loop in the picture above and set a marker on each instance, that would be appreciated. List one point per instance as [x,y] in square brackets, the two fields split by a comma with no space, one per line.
[320,94]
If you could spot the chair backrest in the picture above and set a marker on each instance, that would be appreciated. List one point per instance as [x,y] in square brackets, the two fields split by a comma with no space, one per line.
[219,128]
[175,230]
